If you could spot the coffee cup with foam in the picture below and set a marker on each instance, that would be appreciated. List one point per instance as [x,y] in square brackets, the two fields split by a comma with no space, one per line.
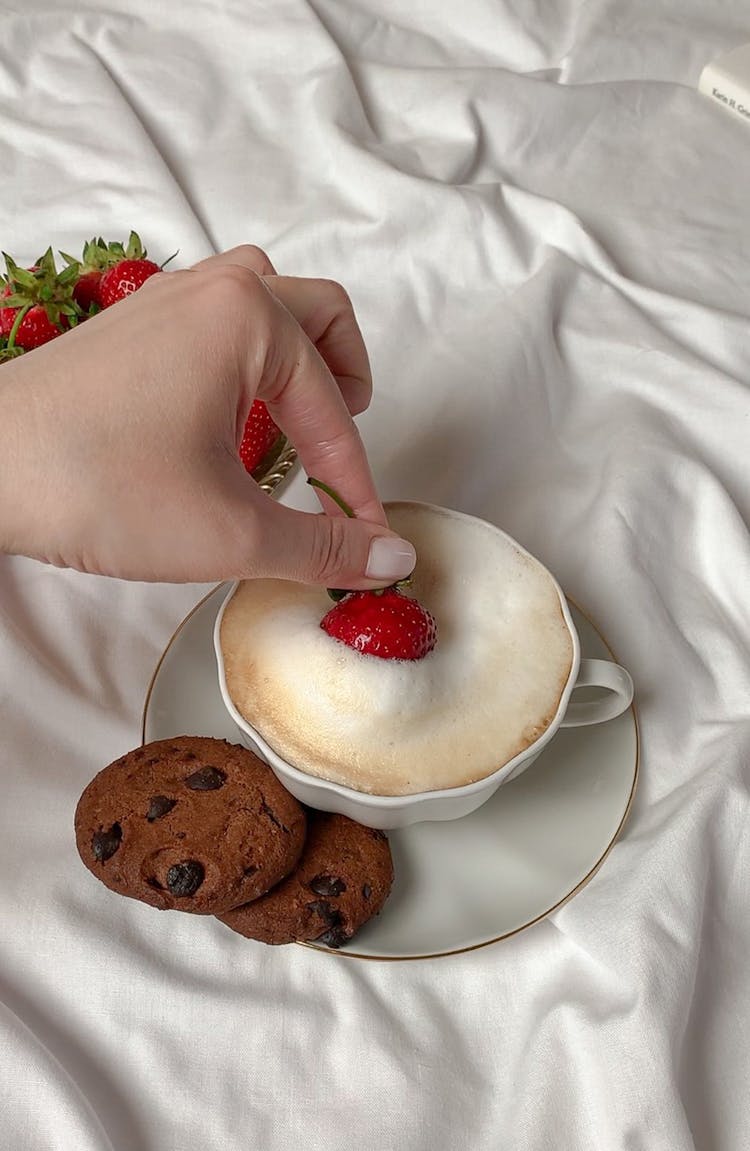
[394,742]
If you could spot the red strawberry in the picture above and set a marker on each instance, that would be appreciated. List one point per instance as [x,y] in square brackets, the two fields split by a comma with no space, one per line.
[126,277]
[383,623]
[35,328]
[259,436]
[97,258]
[110,272]
[38,304]
[86,291]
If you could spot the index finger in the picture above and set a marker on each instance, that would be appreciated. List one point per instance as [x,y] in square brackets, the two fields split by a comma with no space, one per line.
[245,255]
[323,310]
[305,401]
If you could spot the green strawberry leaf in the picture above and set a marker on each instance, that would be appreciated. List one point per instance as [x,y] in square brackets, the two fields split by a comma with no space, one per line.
[7,353]
[135,249]
[70,274]
[23,277]
[46,263]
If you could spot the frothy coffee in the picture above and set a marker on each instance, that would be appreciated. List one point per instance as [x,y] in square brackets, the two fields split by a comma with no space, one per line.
[488,690]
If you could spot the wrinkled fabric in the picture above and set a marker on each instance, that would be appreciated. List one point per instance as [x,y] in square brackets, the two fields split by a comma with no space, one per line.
[544,230]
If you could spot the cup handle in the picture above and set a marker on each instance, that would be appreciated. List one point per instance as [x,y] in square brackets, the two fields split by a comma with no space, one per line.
[600,673]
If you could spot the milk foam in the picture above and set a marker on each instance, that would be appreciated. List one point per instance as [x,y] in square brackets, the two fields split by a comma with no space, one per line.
[490,687]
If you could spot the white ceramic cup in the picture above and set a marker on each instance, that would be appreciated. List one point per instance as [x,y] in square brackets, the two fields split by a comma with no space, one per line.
[389,811]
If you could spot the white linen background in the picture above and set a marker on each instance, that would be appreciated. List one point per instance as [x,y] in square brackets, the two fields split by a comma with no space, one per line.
[544,229]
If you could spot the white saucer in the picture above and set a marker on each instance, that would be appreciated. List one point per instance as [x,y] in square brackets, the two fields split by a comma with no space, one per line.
[468,882]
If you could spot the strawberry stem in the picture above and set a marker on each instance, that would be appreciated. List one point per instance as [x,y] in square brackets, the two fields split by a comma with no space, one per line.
[333,495]
[338,593]
[20,316]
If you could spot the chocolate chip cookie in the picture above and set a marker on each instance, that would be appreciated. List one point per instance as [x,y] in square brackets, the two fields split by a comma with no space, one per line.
[343,878]
[190,823]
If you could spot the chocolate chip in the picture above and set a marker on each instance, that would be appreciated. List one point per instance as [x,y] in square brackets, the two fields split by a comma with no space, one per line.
[335,933]
[326,885]
[376,833]
[159,806]
[366,891]
[206,779]
[185,878]
[321,908]
[272,816]
[104,843]
[331,916]
[333,938]
[250,869]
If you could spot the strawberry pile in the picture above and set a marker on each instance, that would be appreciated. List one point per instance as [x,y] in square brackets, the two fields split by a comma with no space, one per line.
[40,303]
[37,304]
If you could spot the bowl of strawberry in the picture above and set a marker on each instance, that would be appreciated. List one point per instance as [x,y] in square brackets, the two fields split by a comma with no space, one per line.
[42,302]
[416,701]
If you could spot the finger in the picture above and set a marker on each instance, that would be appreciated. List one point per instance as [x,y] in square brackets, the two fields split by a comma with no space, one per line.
[304,400]
[332,550]
[245,255]
[325,313]
[271,540]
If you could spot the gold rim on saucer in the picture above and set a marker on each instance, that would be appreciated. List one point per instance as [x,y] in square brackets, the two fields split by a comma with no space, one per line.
[556,906]
[485,942]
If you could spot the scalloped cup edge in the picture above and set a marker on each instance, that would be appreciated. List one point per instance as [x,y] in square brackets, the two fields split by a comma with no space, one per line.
[389,811]
[399,810]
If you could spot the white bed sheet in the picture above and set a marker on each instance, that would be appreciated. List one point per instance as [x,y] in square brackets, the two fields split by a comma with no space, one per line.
[545,232]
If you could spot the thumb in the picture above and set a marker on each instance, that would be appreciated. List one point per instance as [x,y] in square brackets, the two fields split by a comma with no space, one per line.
[330,550]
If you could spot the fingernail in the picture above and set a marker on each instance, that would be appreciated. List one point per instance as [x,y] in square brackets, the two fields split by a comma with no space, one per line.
[390,558]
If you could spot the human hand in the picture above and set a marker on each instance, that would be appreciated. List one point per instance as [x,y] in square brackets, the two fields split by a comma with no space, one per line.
[119,441]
